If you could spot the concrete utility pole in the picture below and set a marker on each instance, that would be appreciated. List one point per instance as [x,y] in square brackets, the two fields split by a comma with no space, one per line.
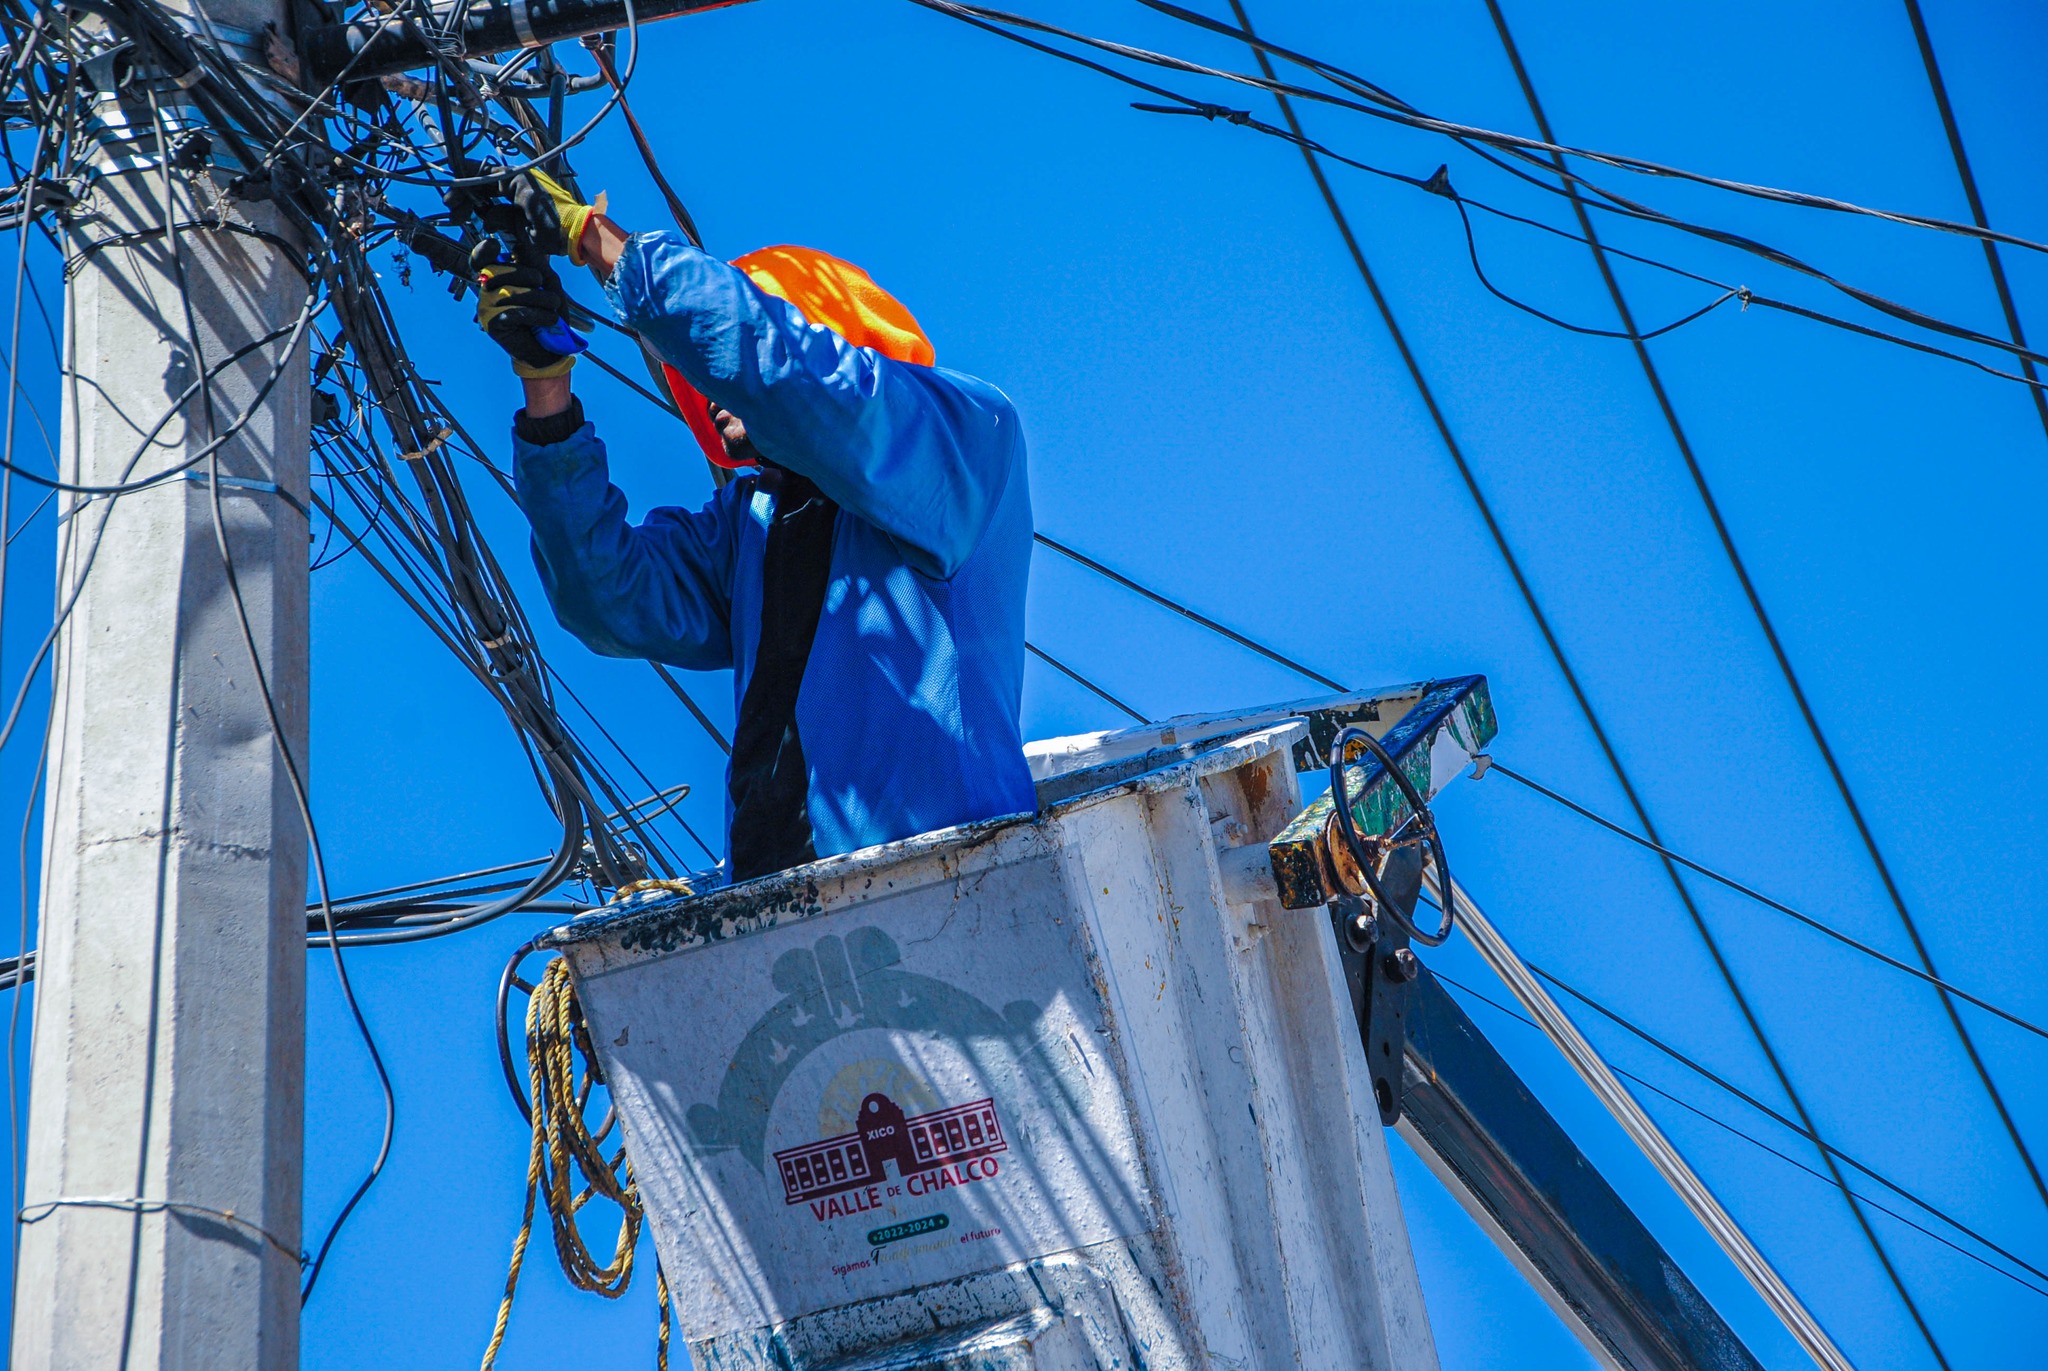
[162,1197]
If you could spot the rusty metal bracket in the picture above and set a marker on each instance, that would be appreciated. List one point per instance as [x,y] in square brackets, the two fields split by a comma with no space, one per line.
[1431,743]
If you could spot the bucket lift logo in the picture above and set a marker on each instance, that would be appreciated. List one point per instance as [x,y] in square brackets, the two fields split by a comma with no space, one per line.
[933,1151]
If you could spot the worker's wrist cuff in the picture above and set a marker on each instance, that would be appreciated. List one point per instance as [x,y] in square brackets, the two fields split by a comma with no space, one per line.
[528,371]
[555,428]
[575,224]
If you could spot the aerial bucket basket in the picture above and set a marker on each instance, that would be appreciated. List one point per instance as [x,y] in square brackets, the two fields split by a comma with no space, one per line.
[1070,1090]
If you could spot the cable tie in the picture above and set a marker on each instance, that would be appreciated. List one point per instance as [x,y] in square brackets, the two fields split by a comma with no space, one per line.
[499,641]
[427,451]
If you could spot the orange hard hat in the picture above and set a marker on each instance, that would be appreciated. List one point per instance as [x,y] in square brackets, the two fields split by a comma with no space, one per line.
[828,291]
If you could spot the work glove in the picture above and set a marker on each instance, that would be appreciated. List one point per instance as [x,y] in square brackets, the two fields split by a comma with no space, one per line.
[554,217]
[517,306]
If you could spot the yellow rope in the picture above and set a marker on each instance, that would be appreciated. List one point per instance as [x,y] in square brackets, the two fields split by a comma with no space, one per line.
[563,1145]
[674,885]
[661,1298]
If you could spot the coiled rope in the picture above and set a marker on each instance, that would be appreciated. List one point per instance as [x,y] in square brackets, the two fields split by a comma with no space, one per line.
[563,1145]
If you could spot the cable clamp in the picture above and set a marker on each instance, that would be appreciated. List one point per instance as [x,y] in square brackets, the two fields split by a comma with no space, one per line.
[522,24]
[1482,762]
[249,484]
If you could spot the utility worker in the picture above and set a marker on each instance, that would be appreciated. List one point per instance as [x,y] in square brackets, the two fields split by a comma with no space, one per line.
[864,581]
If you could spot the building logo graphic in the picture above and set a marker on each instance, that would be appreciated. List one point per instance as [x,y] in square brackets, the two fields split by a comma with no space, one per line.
[840,986]
[932,1152]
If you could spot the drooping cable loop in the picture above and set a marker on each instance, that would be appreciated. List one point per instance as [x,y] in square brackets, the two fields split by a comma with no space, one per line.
[1370,853]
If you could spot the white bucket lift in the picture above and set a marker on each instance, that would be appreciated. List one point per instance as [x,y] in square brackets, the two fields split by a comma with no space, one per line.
[1069,1091]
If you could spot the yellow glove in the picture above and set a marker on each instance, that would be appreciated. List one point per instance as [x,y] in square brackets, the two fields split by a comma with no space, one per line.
[557,217]
[512,304]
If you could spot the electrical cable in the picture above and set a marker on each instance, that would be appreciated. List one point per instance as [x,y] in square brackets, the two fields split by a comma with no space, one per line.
[23,968]
[1204,620]
[1478,140]
[1395,110]
[507,980]
[1939,89]
[1784,662]
[1643,1131]
[1495,764]
[676,208]
[1782,1301]
[696,710]
[14,1172]
[1078,679]
[436,547]
[1439,184]
[1751,1138]
[1366,854]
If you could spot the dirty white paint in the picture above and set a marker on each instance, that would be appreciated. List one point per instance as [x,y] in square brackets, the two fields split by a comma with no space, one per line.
[1035,1090]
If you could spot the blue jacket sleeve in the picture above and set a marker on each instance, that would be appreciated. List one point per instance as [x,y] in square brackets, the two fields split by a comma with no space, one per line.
[661,589]
[921,453]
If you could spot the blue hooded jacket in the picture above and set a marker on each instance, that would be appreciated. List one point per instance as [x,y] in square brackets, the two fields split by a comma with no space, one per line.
[908,709]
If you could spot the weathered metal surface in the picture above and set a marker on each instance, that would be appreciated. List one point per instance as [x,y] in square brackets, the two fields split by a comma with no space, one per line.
[1432,743]
[1039,1068]
[1325,715]
[1035,1341]
[1500,1153]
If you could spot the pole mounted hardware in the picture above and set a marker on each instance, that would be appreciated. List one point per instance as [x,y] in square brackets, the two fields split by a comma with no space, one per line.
[1429,744]
[1379,879]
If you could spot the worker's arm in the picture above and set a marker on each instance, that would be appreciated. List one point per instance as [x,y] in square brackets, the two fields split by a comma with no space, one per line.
[660,589]
[920,453]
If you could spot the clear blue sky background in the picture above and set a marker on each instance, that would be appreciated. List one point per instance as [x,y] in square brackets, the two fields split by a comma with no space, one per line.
[1214,407]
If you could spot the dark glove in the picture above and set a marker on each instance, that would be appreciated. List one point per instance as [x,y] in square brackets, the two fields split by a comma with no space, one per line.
[519,305]
[555,219]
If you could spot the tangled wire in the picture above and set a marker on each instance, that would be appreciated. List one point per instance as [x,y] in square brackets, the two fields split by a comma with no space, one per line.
[328,173]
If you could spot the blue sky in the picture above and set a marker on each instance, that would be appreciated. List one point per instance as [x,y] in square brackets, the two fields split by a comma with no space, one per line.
[1214,407]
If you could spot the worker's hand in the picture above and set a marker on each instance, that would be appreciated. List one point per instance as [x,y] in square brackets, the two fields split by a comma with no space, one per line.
[514,305]
[554,216]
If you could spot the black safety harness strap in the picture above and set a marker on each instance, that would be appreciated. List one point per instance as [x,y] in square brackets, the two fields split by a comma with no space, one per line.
[768,781]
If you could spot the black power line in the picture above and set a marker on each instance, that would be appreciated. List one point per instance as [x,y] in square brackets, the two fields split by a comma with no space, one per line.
[1739,1093]
[1082,681]
[1762,616]
[1490,145]
[1194,616]
[1564,666]
[1495,764]
[1476,142]
[1939,88]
